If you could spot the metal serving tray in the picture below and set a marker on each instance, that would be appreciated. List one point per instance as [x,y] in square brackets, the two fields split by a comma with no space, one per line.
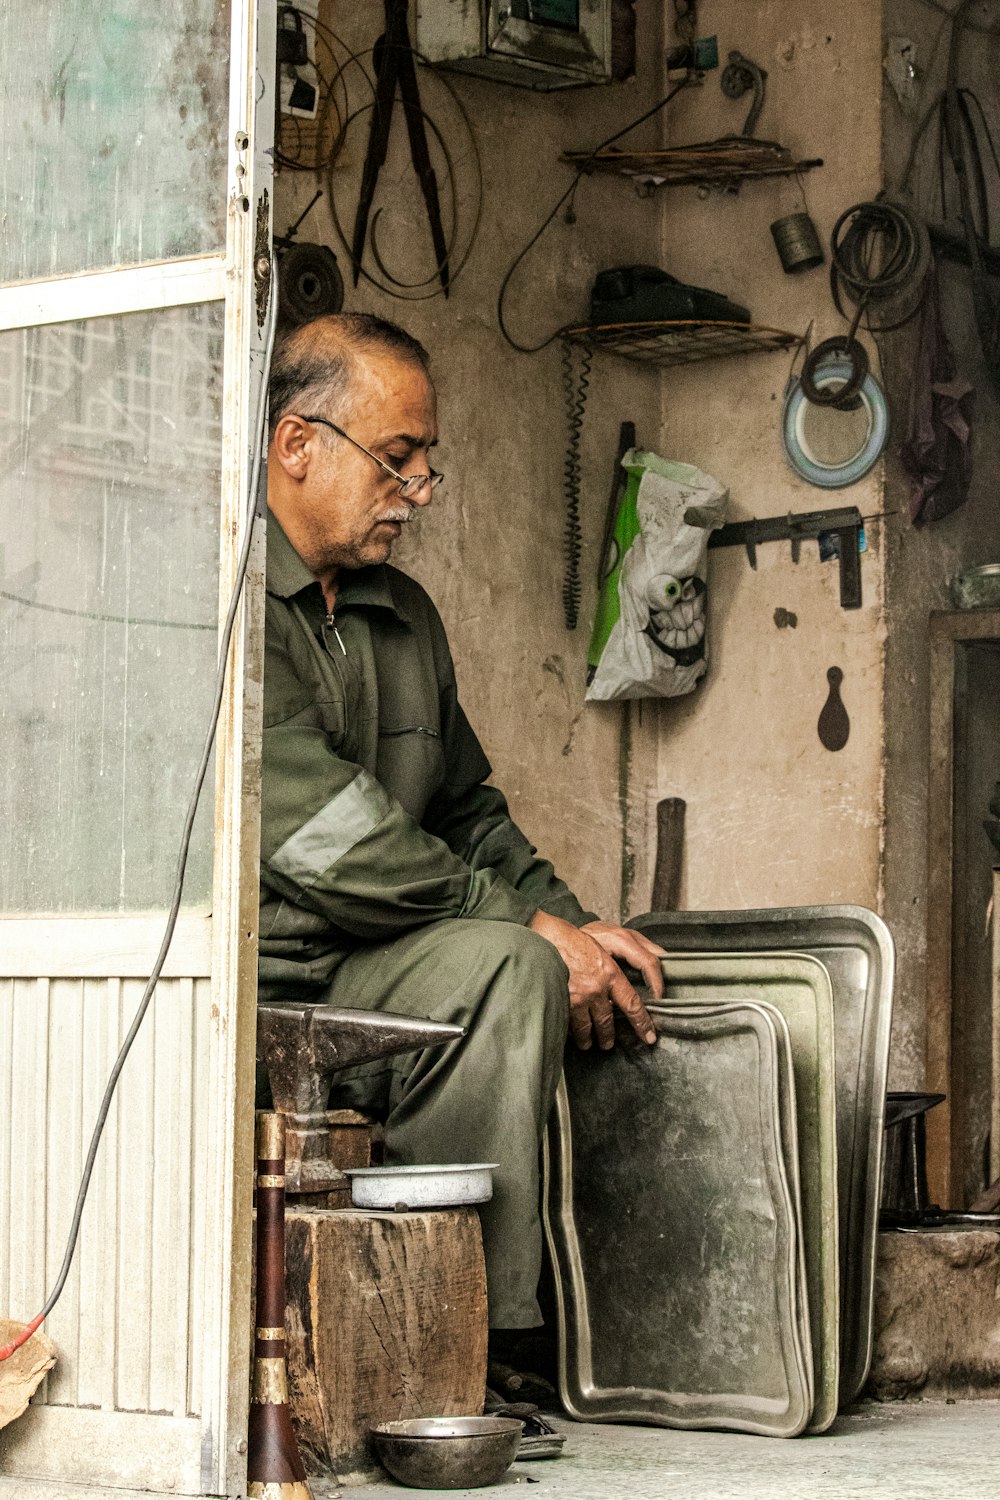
[671,1210]
[800,989]
[855,947]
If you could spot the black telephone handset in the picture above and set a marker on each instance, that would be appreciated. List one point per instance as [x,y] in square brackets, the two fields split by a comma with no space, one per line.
[645,294]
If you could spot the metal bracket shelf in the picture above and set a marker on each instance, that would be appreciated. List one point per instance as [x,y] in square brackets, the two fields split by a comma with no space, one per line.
[682,342]
[721,164]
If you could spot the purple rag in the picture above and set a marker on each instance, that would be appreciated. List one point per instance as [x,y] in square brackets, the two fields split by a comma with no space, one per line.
[937,453]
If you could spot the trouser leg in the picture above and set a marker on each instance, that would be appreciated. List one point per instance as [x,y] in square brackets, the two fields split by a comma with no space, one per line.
[484,1098]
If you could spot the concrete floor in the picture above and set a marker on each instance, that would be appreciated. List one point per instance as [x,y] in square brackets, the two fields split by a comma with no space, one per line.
[916,1451]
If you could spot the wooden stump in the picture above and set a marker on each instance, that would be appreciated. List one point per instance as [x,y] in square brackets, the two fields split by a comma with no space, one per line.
[386,1318]
[937,1316]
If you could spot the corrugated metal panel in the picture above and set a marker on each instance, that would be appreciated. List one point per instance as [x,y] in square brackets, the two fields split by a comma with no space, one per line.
[125,1328]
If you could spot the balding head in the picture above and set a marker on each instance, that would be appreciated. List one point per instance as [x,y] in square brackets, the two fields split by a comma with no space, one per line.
[313,366]
[353,416]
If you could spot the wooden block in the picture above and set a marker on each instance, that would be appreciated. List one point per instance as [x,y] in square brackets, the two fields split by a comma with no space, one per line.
[386,1318]
[319,1147]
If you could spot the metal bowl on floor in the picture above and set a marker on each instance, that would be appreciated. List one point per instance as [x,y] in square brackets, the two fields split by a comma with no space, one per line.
[447,1453]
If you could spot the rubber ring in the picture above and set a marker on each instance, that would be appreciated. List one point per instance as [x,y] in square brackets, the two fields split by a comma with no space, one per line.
[835,476]
[842,348]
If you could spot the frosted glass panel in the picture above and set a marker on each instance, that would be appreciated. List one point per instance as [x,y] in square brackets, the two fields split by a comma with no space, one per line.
[113,133]
[110,432]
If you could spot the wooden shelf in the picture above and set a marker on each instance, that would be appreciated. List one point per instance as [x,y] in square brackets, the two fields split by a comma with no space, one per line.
[720,164]
[681,343]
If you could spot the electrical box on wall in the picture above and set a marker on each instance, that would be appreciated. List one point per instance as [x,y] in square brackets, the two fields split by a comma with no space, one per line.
[536,44]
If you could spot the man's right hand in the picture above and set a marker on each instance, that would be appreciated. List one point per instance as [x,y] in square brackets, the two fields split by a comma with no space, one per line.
[596,985]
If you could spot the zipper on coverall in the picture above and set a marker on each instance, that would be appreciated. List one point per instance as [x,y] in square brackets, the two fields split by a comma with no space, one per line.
[331,624]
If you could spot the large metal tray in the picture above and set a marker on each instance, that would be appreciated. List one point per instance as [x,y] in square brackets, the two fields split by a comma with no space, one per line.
[800,989]
[671,1210]
[855,947]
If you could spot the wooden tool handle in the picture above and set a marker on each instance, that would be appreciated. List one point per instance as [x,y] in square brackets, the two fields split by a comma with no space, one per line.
[669,854]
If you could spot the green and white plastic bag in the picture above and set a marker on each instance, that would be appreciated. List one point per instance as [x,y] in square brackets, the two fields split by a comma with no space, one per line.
[649,636]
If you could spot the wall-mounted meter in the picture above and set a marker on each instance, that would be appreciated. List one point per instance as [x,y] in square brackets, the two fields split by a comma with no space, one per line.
[536,44]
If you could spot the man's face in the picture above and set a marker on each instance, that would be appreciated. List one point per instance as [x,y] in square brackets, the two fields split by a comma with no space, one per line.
[343,511]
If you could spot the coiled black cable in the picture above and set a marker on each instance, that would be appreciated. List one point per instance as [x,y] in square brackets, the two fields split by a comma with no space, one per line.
[876,252]
[879,257]
[570,193]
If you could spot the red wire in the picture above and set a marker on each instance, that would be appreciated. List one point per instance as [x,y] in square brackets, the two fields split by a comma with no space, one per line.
[22,1338]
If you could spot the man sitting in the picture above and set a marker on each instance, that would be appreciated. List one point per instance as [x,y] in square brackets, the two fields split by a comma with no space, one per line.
[392,877]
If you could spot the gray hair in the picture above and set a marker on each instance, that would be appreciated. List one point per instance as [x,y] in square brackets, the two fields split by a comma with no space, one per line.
[313,366]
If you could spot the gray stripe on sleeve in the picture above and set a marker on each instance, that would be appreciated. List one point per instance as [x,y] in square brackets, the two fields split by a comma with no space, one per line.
[333,832]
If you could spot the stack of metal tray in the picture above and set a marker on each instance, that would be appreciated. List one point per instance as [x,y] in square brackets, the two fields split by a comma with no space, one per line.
[641,1175]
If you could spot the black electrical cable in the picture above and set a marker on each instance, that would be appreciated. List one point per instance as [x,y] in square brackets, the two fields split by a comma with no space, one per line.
[963,148]
[571,190]
[962,124]
[185,843]
[293,163]
[875,253]
[327,37]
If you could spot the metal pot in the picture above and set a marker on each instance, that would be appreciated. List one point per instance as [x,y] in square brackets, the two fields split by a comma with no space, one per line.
[977,588]
[904,1173]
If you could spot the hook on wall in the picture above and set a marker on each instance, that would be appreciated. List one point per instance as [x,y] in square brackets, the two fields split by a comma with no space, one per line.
[739,76]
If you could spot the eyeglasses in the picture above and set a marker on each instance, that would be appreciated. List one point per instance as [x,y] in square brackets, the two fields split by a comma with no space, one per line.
[410,487]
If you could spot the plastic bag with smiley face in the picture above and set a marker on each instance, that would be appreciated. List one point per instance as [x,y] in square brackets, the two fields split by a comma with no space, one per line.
[649,637]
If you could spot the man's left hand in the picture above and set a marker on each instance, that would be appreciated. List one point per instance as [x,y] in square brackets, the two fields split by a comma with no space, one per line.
[623,943]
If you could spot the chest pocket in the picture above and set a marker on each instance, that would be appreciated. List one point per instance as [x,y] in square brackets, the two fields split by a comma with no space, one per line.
[288,702]
[411,764]
[300,684]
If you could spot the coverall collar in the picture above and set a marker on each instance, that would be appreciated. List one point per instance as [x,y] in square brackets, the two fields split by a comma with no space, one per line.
[288,575]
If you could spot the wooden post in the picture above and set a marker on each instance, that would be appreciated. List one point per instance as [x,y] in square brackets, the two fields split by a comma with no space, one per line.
[940,796]
[274,1468]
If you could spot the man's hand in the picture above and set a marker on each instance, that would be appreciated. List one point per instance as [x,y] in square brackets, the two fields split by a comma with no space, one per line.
[596,983]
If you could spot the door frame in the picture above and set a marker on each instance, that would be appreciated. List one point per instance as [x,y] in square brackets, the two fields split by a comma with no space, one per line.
[238,278]
[949,631]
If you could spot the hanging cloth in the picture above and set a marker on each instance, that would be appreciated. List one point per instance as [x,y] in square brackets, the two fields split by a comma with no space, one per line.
[937,453]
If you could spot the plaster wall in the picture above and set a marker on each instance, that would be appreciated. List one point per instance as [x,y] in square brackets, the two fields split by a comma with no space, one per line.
[490,551]
[773,818]
[920,562]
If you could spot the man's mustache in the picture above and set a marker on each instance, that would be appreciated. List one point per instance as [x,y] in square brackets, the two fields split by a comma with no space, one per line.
[408,513]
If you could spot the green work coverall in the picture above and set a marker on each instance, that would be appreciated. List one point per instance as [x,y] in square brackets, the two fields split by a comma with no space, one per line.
[393,878]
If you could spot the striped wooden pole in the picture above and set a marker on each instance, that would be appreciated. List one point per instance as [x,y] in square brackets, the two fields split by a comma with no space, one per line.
[274,1468]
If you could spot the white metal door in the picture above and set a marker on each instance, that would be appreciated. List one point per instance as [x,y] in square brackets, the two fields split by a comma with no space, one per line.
[134,204]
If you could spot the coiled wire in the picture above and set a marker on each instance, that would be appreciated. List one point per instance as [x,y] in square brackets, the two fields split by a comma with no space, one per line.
[879,258]
[877,253]
[576,361]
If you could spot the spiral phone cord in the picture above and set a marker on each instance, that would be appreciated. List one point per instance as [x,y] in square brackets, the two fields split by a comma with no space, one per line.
[576,381]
